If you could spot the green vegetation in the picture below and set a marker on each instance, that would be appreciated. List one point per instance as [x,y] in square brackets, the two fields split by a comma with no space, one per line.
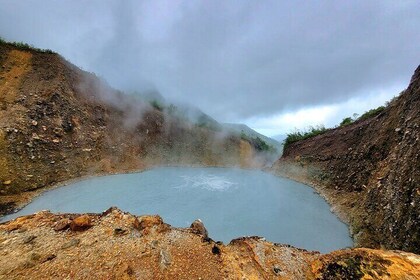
[24,46]
[155,104]
[346,121]
[371,113]
[302,135]
[313,131]
[172,110]
[366,115]
[259,144]
[205,122]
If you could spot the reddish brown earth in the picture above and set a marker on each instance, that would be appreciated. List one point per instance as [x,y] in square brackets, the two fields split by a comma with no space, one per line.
[118,245]
[369,171]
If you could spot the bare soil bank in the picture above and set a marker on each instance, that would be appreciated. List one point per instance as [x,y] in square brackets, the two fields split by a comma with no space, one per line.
[370,170]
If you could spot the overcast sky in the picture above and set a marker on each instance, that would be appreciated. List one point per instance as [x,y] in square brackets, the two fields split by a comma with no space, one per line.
[274,65]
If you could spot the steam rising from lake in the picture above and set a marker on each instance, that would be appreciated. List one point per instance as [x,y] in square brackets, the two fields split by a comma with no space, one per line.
[208,182]
[230,202]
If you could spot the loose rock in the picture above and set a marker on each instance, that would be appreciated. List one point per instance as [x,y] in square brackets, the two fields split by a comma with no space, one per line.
[198,227]
[81,223]
[62,225]
[165,259]
[28,239]
[71,243]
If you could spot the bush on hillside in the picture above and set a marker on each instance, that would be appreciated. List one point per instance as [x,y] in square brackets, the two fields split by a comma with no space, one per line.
[346,121]
[258,143]
[298,135]
[155,104]
[371,113]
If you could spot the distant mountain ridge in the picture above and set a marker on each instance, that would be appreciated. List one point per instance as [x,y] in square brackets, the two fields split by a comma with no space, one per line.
[279,137]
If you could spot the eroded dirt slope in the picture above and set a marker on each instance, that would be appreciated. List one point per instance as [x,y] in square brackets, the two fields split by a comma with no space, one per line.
[118,245]
[371,170]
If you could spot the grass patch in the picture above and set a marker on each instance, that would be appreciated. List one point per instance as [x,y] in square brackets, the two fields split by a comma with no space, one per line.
[25,47]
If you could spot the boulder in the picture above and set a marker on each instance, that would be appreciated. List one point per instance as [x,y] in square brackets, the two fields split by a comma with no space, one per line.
[198,227]
[81,223]
[165,259]
[62,224]
[149,221]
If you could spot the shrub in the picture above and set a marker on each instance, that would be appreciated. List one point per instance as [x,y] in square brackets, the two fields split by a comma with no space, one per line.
[258,143]
[172,110]
[302,135]
[371,113]
[346,121]
[155,104]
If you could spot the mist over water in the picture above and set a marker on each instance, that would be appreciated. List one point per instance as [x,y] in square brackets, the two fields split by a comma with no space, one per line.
[207,182]
[231,203]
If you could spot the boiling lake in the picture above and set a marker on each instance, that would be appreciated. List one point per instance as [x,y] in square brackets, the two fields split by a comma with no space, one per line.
[230,202]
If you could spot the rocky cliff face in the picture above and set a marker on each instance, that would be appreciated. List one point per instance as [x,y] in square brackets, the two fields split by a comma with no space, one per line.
[118,245]
[371,169]
[58,122]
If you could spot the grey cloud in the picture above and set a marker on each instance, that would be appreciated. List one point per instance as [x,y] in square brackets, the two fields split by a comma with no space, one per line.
[233,59]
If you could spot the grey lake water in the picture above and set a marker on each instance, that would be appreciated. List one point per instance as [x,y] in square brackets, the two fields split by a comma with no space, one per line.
[230,202]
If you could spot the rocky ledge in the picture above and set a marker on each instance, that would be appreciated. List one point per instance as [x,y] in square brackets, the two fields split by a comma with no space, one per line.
[118,245]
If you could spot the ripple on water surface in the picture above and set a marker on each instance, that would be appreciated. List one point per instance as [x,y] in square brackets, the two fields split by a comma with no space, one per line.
[230,202]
